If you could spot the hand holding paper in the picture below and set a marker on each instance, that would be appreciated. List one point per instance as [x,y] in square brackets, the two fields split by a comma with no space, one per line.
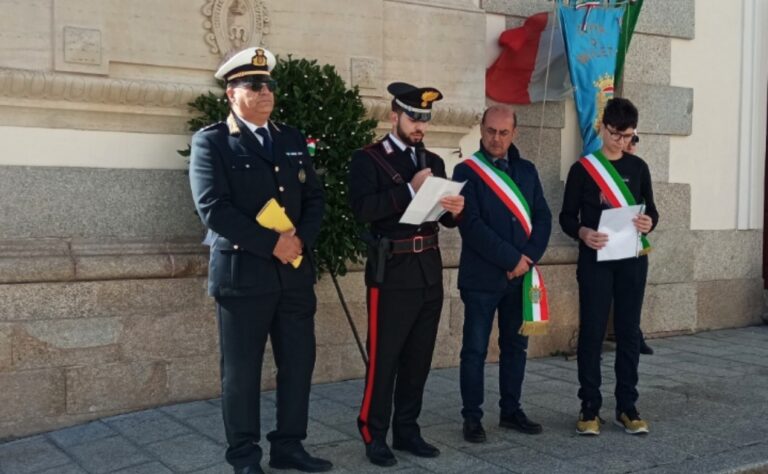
[273,216]
[426,206]
[623,238]
[453,204]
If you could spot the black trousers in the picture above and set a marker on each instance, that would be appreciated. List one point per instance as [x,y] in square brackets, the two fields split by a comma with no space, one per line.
[244,323]
[621,282]
[402,327]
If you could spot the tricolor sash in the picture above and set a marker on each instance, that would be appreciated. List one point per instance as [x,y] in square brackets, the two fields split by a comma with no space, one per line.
[535,307]
[612,186]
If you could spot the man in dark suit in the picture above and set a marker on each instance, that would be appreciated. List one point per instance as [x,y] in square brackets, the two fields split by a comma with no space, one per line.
[403,274]
[235,168]
[498,249]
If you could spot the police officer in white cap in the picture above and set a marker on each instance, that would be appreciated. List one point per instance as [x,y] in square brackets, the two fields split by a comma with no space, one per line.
[236,167]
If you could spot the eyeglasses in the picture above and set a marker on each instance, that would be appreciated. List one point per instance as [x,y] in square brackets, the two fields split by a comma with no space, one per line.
[257,84]
[619,137]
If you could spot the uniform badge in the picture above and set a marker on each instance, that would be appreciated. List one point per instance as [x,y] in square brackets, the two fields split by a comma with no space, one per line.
[260,58]
[387,147]
[429,96]
[535,294]
[302,176]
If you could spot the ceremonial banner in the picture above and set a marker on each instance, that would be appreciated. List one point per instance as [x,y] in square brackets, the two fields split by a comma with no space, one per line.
[531,66]
[591,34]
[628,23]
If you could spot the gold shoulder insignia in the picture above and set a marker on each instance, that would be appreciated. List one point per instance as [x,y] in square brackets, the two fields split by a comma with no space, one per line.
[234,129]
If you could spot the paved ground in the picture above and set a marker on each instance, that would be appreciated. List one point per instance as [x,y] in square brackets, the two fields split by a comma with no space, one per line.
[705,397]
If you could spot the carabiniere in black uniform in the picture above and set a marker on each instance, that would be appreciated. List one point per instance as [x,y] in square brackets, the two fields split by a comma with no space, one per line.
[405,291]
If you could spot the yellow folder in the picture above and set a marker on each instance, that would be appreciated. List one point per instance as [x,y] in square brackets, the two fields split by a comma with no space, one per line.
[273,216]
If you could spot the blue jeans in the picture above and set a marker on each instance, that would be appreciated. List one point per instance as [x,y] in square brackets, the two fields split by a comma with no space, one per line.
[480,307]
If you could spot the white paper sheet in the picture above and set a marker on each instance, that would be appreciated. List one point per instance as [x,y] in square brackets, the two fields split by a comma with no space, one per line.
[623,237]
[425,206]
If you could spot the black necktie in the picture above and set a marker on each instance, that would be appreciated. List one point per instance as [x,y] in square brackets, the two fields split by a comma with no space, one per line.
[412,154]
[266,141]
[502,164]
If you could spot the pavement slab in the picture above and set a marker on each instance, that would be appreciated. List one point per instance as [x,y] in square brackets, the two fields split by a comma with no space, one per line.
[704,396]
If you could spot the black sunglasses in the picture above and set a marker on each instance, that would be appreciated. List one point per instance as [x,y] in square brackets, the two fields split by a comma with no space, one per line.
[256,84]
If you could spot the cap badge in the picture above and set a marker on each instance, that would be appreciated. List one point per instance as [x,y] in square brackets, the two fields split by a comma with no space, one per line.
[428,97]
[259,59]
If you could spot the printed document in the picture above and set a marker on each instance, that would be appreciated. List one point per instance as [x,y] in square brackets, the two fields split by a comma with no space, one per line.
[623,237]
[425,206]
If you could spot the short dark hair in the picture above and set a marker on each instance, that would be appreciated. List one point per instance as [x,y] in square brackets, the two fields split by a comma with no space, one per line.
[620,113]
[396,107]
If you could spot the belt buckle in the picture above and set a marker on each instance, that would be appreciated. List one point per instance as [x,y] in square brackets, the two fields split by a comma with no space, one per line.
[418,248]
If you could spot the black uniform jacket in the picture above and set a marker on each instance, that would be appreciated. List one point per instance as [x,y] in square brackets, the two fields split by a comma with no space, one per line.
[232,177]
[378,201]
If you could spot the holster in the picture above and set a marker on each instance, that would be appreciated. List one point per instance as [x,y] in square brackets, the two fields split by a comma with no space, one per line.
[379,250]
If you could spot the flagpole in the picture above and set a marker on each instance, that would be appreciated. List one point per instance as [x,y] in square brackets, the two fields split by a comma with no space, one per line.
[546,79]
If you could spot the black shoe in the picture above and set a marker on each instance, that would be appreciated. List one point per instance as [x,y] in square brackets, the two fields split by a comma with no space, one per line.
[473,431]
[518,421]
[299,460]
[379,453]
[416,446]
[252,469]
[645,348]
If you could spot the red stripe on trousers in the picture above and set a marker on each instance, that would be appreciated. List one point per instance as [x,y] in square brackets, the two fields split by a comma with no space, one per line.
[373,317]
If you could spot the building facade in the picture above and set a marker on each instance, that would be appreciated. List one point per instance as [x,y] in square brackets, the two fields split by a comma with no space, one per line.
[102,276]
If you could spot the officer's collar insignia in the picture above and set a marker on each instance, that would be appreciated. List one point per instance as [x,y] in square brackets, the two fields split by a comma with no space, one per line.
[429,96]
[234,128]
[387,147]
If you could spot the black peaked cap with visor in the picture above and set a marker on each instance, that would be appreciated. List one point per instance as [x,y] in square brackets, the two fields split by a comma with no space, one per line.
[416,102]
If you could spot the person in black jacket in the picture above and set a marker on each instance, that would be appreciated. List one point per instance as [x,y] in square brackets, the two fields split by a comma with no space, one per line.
[496,252]
[403,275]
[621,282]
[235,168]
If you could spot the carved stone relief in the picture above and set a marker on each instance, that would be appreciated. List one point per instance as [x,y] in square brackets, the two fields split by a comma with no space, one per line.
[82,45]
[234,24]
[365,74]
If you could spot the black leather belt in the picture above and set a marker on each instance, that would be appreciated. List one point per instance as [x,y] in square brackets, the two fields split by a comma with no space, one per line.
[415,244]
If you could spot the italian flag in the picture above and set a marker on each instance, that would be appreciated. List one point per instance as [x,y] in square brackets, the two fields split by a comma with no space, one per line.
[519,74]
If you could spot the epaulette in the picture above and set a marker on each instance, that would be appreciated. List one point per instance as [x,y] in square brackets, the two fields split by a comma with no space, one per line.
[277,125]
[210,126]
[381,143]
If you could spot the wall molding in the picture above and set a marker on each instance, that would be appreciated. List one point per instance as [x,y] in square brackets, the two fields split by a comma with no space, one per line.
[75,88]
[27,89]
